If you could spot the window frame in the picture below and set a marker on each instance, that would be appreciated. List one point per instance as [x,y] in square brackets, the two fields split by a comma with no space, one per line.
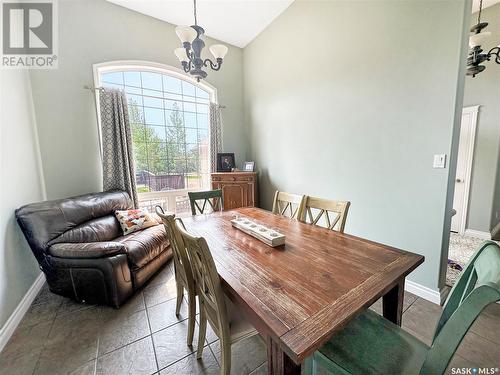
[148,66]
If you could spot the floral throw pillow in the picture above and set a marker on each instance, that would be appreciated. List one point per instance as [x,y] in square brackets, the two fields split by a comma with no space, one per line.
[134,220]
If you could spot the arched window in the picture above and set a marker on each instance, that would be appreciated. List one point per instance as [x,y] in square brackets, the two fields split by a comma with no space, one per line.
[169,117]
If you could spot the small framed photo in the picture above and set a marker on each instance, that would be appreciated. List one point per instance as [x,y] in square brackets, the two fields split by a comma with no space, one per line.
[249,165]
[225,162]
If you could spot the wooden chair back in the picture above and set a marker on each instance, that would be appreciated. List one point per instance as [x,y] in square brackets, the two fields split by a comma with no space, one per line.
[289,205]
[477,287]
[210,294]
[212,197]
[182,266]
[323,212]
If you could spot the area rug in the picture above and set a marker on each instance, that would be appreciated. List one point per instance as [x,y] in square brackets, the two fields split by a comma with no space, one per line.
[460,251]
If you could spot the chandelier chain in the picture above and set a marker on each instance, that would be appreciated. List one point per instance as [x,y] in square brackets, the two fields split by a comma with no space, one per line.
[478,15]
[195,19]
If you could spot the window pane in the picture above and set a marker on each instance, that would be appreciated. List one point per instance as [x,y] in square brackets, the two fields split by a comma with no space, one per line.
[202,121]
[132,78]
[202,135]
[134,99]
[132,90]
[174,118]
[112,77]
[112,86]
[202,108]
[153,102]
[190,107]
[201,93]
[173,104]
[191,135]
[168,95]
[155,134]
[190,120]
[171,84]
[154,116]
[151,81]
[136,114]
[188,89]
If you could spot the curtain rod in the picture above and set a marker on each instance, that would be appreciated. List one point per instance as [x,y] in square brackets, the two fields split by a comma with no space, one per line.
[92,88]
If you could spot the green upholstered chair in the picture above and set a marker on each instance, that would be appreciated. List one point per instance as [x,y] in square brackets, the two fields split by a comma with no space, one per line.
[182,268]
[212,197]
[370,344]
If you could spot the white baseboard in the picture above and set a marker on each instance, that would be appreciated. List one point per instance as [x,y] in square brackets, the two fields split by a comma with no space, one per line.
[424,292]
[478,234]
[15,318]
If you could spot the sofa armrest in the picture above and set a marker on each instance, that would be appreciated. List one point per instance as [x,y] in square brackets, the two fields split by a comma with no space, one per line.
[87,250]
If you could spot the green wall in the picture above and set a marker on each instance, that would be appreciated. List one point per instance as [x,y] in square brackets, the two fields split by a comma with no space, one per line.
[94,31]
[350,100]
[22,183]
[484,89]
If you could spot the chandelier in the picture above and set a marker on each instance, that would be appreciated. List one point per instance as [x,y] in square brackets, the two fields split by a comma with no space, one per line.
[190,53]
[476,55]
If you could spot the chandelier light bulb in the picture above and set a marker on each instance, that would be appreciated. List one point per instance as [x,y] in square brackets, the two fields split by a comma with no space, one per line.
[181,54]
[186,33]
[218,50]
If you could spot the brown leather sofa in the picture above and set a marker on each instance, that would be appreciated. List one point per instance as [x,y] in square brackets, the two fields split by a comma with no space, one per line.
[80,247]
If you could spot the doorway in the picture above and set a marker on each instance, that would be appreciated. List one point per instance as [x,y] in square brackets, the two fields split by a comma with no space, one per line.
[464,169]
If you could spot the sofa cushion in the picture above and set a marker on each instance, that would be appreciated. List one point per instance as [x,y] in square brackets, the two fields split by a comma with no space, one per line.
[145,245]
[105,228]
[134,220]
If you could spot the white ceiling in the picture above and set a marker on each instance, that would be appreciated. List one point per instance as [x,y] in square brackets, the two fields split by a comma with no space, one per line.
[486,4]
[236,22]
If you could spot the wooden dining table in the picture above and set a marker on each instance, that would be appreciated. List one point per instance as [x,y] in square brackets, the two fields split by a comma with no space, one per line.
[300,294]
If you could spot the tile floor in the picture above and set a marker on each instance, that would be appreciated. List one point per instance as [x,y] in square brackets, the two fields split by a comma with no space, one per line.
[58,336]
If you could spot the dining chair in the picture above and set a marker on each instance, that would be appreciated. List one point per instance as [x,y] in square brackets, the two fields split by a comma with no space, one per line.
[286,204]
[332,213]
[215,308]
[182,269]
[212,197]
[370,344]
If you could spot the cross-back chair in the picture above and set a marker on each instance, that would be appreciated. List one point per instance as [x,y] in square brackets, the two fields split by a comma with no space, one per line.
[211,198]
[370,344]
[332,214]
[215,308]
[289,205]
[182,268]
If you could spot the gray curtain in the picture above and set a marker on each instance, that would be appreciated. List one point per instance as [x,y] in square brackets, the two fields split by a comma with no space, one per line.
[215,134]
[117,155]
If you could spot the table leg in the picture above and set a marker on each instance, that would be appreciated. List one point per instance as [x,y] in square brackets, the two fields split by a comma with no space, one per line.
[392,303]
[278,363]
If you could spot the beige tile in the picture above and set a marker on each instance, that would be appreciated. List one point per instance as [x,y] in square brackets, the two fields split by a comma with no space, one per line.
[38,313]
[170,344]
[477,349]
[487,324]
[207,365]
[421,319]
[137,358]
[120,328]
[69,306]
[162,276]
[155,294]
[163,315]
[85,369]
[72,342]
[21,353]
[210,335]
[246,355]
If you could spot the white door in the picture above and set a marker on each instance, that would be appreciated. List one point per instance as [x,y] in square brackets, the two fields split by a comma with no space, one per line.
[464,166]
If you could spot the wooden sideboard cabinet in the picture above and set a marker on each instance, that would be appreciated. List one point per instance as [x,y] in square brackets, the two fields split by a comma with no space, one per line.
[239,189]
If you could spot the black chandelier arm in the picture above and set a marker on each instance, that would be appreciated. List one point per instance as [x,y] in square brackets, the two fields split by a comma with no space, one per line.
[215,67]
[495,51]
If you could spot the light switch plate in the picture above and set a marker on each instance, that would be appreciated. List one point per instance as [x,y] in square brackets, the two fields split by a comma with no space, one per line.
[439,161]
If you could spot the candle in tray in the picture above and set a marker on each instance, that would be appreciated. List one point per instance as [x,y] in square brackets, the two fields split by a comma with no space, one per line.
[267,235]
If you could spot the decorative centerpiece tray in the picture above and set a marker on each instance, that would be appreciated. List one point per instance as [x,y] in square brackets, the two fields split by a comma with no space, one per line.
[268,236]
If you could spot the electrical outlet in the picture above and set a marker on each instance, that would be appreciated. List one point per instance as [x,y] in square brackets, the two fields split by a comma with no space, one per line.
[439,161]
